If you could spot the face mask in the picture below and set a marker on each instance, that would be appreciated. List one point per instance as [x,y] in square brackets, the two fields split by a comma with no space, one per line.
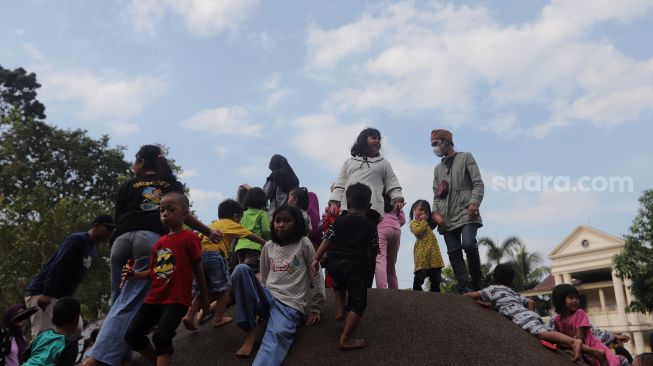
[437,150]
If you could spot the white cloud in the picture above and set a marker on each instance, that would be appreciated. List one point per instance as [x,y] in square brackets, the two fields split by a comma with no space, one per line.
[109,96]
[123,128]
[205,203]
[224,121]
[189,173]
[275,93]
[202,17]
[462,63]
[32,51]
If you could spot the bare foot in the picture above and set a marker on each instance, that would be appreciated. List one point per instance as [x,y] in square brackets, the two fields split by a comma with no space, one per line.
[352,343]
[188,323]
[339,316]
[218,322]
[248,345]
[202,319]
[578,344]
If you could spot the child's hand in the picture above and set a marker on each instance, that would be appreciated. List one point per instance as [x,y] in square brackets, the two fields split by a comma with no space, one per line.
[215,236]
[312,319]
[622,338]
[127,272]
[484,303]
[315,266]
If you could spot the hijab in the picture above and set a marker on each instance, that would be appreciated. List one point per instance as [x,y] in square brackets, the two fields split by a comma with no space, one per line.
[282,174]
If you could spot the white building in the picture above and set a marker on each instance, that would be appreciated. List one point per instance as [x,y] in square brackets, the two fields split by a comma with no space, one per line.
[584,258]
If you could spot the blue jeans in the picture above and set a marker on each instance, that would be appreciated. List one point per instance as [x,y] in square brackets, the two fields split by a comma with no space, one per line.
[216,274]
[457,240]
[251,300]
[135,245]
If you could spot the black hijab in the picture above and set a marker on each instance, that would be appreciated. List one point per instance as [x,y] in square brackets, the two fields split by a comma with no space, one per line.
[282,174]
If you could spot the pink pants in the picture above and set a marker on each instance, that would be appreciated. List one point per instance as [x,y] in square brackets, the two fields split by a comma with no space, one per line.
[385,273]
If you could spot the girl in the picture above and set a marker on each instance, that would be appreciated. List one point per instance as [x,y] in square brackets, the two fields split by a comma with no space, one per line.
[389,235]
[138,227]
[279,182]
[572,321]
[428,260]
[298,197]
[367,166]
[281,295]
[255,219]
[13,323]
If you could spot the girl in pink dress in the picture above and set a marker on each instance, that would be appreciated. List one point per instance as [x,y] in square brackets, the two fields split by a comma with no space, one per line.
[573,321]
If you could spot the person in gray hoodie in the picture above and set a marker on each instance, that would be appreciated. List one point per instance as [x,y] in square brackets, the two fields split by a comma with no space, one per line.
[458,191]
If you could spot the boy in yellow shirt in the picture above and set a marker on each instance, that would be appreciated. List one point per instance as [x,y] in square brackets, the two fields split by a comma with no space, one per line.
[214,262]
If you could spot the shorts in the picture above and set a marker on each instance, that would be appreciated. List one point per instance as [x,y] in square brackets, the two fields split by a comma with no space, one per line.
[216,274]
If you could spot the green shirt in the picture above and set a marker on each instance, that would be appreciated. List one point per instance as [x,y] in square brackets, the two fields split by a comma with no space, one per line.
[258,222]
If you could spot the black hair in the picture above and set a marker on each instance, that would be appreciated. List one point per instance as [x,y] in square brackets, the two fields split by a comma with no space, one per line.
[299,229]
[228,208]
[358,196]
[360,146]
[255,198]
[282,173]
[65,311]
[153,159]
[504,274]
[559,296]
[185,203]
[302,197]
[426,207]
[645,359]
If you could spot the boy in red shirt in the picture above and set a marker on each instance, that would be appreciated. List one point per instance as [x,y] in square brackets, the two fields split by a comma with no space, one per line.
[175,258]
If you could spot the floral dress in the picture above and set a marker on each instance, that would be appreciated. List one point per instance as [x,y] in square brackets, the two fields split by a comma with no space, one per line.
[426,252]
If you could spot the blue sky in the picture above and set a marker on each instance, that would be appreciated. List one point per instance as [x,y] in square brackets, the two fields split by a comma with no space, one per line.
[559,89]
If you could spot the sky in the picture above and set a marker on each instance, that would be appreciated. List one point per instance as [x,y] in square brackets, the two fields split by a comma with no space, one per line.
[553,98]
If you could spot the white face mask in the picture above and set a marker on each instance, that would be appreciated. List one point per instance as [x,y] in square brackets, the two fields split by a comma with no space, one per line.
[437,150]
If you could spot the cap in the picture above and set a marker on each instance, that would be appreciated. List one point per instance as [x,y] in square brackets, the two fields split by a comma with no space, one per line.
[104,220]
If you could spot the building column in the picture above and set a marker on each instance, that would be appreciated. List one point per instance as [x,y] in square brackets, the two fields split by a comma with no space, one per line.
[620,296]
[566,278]
[602,300]
[638,341]
[558,278]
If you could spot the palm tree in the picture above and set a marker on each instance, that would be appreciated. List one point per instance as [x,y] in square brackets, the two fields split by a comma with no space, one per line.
[528,268]
[496,253]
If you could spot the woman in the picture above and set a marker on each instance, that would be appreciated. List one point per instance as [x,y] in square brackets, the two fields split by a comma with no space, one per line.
[138,227]
[13,323]
[279,182]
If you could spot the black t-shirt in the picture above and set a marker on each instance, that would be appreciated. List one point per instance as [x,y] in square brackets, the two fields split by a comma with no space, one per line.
[137,206]
[353,237]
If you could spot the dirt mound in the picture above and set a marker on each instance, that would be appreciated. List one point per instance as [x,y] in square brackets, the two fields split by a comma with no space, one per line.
[400,328]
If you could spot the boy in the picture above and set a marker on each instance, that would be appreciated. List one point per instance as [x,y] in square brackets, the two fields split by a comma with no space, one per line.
[175,258]
[349,244]
[214,262]
[514,307]
[56,346]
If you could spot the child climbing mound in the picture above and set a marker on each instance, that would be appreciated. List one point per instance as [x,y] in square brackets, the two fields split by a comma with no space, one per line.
[520,310]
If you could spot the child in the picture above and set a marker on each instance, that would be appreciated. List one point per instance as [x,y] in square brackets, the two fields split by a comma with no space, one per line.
[56,346]
[282,294]
[214,262]
[428,260]
[13,342]
[255,219]
[175,258]
[573,322]
[389,236]
[298,197]
[348,245]
[514,307]
[644,359]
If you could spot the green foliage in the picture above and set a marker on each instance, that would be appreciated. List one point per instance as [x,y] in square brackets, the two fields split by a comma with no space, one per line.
[635,262]
[18,92]
[53,183]
[527,265]
[496,253]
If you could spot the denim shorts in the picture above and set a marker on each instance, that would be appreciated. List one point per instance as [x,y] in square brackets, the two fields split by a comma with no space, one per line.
[216,274]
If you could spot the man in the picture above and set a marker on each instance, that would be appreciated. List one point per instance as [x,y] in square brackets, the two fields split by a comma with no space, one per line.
[458,192]
[64,271]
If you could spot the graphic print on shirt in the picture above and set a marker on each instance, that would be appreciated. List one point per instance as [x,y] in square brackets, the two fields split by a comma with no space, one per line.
[86,262]
[151,199]
[164,265]
[285,264]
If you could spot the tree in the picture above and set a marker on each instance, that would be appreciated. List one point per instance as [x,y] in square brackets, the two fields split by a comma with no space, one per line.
[495,252]
[528,269]
[18,92]
[53,182]
[635,262]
